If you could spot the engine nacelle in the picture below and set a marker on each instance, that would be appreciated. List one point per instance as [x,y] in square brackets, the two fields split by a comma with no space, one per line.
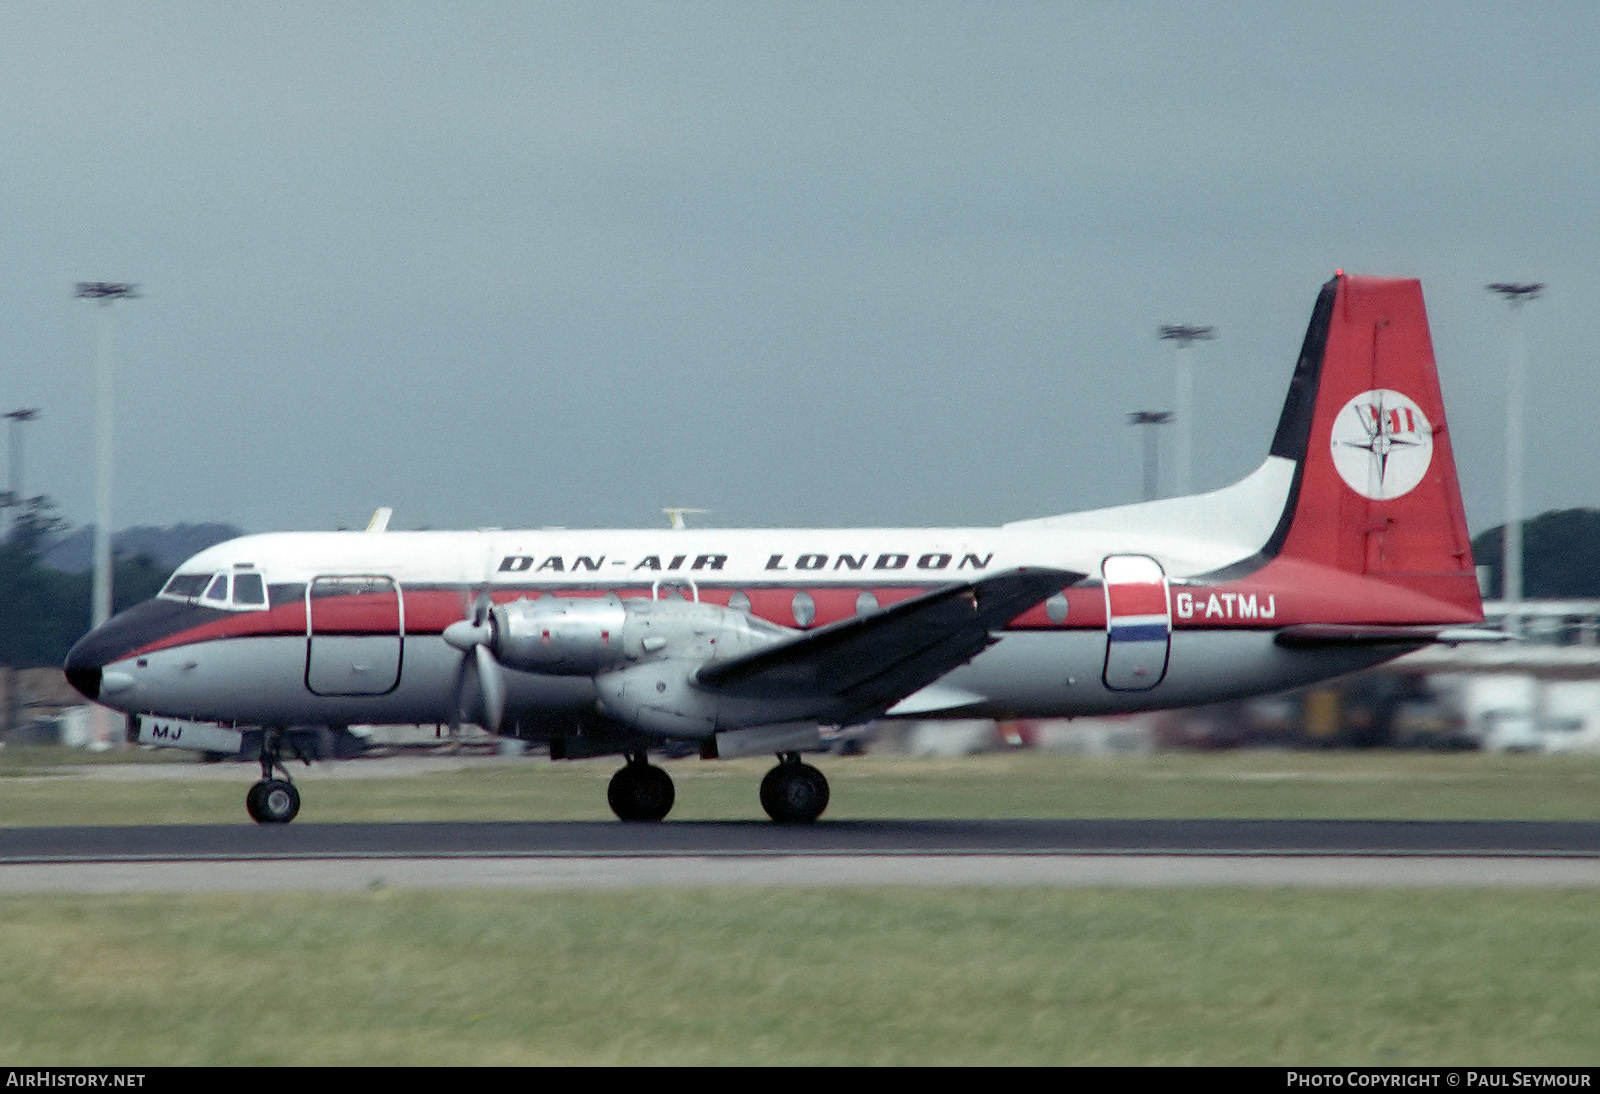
[560,636]
[586,636]
[658,697]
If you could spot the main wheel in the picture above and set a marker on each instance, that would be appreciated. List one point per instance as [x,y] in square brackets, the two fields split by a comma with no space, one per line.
[641,792]
[272,801]
[794,793]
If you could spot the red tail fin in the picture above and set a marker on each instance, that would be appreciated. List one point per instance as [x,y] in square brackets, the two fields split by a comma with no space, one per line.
[1376,494]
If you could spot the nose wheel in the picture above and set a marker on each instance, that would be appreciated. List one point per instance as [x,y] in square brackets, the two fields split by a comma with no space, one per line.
[274,800]
[794,792]
[641,791]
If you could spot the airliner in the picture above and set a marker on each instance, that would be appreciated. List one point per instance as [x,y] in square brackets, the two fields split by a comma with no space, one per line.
[1345,548]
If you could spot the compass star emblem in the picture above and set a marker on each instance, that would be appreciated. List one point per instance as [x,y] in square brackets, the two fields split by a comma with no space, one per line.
[1382,444]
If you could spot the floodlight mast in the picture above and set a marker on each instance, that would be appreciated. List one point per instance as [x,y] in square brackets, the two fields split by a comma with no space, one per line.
[14,501]
[1150,419]
[1515,294]
[104,293]
[14,498]
[1184,335]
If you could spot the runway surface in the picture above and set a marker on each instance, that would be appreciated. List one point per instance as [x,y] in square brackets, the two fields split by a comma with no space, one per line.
[611,854]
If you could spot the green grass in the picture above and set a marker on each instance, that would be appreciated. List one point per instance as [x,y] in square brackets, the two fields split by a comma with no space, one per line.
[1273,784]
[804,977]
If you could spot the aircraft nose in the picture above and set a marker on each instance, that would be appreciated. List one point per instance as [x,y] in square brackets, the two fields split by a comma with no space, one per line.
[83,672]
[118,639]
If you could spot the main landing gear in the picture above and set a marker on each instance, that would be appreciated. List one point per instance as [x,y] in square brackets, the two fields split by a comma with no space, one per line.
[792,793]
[641,791]
[274,800]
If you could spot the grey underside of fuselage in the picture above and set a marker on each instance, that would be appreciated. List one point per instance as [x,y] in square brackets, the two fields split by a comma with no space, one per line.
[1043,675]
[1028,674]
[262,681]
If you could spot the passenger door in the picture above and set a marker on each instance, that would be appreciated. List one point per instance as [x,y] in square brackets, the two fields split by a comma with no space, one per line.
[355,631]
[1138,622]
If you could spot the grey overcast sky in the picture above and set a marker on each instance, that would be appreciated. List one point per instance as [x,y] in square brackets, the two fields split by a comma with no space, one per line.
[525,264]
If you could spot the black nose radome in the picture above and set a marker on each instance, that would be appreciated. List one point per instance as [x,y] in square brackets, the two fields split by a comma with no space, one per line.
[123,636]
[86,678]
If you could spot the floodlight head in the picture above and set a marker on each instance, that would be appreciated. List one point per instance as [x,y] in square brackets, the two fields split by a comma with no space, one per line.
[1183,333]
[106,291]
[1150,417]
[1517,292]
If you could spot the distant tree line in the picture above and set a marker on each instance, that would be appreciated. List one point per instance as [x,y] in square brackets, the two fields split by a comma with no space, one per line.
[44,611]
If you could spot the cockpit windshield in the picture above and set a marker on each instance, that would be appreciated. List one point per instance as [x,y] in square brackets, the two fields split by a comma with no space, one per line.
[243,590]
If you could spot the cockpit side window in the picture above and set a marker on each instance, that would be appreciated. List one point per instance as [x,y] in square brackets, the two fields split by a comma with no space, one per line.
[248,590]
[219,588]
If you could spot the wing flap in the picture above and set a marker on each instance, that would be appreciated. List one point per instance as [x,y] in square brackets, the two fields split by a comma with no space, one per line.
[869,662]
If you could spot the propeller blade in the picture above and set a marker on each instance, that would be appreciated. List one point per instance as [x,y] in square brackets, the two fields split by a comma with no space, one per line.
[474,637]
[459,710]
[492,689]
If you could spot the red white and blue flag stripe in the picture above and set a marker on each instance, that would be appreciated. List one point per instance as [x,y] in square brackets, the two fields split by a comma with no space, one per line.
[1138,622]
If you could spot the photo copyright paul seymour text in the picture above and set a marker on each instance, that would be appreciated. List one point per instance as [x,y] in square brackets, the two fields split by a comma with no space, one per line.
[1468,1079]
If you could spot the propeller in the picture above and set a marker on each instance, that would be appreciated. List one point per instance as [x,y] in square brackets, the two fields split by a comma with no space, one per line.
[474,637]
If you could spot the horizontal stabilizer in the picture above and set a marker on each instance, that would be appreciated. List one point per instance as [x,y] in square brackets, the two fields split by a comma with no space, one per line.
[935,699]
[1308,635]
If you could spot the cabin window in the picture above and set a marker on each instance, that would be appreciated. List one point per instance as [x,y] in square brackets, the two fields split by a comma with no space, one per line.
[1055,608]
[866,603]
[739,602]
[804,609]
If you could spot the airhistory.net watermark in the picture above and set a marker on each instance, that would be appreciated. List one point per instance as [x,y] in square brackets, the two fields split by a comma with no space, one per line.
[51,1078]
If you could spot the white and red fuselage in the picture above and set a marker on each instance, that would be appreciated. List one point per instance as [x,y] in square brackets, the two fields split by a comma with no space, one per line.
[1346,547]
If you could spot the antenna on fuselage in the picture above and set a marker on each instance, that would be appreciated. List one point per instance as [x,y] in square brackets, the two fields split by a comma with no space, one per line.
[675,516]
[380,519]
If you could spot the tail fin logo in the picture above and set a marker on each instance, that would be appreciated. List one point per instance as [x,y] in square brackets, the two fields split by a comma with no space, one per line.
[1382,444]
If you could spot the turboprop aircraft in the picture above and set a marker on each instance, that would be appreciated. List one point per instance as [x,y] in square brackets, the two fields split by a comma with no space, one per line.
[1347,547]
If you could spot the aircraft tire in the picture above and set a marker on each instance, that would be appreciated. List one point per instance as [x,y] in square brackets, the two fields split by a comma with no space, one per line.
[794,793]
[272,801]
[641,792]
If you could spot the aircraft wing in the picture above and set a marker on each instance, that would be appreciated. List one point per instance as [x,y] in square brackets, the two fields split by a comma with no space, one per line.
[867,663]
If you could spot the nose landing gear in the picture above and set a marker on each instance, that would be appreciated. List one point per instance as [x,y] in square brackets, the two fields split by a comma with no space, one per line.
[274,800]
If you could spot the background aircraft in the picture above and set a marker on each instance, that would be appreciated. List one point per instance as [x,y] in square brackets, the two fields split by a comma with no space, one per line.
[1346,547]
